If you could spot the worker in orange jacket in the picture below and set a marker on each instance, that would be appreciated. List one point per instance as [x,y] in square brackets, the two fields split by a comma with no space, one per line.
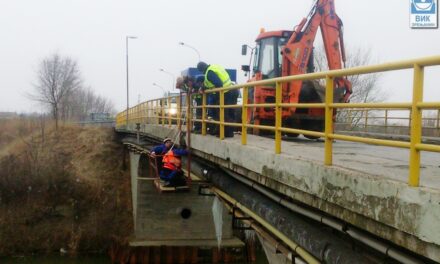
[171,173]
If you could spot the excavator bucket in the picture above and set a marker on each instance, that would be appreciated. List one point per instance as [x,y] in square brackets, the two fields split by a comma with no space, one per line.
[314,92]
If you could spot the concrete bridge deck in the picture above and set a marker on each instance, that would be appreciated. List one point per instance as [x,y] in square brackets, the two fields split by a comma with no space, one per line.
[366,187]
[383,162]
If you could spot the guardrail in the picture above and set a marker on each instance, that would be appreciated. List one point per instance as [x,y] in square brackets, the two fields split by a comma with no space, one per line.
[386,121]
[154,111]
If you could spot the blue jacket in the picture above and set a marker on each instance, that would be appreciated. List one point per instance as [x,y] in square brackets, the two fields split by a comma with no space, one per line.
[212,77]
[180,152]
[160,150]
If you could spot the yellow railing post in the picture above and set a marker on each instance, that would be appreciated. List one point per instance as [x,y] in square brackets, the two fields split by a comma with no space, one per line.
[143,117]
[278,121]
[169,111]
[189,111]
[438,119]
[328,145]
[141,113]
[204,114]
[244,116]
[128,118]
[350,118]
[222,114]
[147,112]
[156,114]
[179,103]
[162,112]
[386,120]
[151,113]
[366,120]
[416,127]
[137,111]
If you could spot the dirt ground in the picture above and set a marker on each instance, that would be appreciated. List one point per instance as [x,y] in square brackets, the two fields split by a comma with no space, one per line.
[64,190]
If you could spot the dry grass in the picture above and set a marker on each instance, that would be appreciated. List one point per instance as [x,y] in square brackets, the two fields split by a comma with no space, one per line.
[68,192]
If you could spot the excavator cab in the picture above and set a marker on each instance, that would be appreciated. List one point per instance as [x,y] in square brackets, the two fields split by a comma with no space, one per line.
[268,57]
[267,64]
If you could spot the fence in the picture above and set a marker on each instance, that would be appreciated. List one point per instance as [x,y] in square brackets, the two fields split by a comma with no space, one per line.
[387,121]
[159,111]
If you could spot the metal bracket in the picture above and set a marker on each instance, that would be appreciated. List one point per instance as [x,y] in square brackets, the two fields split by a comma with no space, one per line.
[202,193]
[235,220]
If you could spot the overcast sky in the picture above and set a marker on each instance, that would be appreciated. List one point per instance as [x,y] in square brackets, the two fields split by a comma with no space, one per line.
[93,32]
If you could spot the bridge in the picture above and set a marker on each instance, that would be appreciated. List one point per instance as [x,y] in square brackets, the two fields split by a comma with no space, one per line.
[346,197]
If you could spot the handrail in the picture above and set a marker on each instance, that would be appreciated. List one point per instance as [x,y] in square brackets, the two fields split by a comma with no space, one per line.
[153,111]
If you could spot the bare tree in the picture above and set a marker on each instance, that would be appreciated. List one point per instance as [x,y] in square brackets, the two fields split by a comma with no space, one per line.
[80,103]
[57,78]
[366,87]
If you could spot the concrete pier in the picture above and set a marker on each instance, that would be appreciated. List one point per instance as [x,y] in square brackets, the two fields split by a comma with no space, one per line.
[177,219]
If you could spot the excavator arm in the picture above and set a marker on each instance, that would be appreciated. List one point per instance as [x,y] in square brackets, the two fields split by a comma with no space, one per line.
[297,51]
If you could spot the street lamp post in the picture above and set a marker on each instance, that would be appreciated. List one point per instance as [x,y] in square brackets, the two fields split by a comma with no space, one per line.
[172,76]
[191,47]
[126,53]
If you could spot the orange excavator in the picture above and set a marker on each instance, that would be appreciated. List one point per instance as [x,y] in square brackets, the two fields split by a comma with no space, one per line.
[285,53]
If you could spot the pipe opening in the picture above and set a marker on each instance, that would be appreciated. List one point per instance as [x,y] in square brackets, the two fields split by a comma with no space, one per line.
[185,213]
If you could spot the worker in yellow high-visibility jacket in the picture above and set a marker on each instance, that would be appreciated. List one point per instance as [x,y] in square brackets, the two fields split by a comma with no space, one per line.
[216,77]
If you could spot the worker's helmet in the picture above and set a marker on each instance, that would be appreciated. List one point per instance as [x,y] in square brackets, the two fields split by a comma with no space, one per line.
[202,66]
[167,140]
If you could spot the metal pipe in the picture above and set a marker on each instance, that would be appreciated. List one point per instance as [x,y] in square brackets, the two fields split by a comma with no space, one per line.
[339,225]
[396,106]
[301,131]
[265,235]
[126,56]
[428,105]
[295,247]
[428,147]
[329,115]
[416,127]
[408,64]
[383,142]
[303,105]
[188,132]
[319,241]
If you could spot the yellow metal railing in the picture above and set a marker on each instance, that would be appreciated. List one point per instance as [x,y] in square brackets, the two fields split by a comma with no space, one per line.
[364,119]
[153,111]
